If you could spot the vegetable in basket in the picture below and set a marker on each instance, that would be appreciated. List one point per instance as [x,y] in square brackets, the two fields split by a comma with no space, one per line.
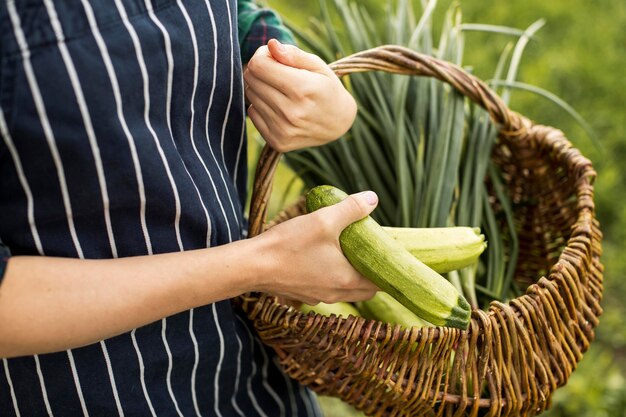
[441,248]
[385,308]
[444,249]
[340,309]
[384,261]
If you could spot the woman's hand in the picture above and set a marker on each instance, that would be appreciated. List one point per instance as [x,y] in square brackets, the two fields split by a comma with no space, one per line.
[303,260]
[296,100]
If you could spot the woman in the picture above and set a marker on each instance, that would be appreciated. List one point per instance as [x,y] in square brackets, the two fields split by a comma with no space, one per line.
[122,182]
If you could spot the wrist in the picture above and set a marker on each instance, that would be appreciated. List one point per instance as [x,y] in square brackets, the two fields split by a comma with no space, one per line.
[261,262]
[236,268]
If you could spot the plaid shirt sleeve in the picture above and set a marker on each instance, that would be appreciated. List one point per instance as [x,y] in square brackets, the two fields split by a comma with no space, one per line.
[257,26]
[4,258]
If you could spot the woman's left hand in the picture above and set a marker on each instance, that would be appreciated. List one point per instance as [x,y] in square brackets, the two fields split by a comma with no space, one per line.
[296,100]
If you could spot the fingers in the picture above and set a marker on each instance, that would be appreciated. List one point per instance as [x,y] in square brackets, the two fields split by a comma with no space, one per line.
[265,92]
[353,208]
[270,103]
[295,57]
[285,78]
[265,107]
[259,122]
[271,128]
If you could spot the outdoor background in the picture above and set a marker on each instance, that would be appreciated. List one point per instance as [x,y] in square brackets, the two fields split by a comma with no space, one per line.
[579,55]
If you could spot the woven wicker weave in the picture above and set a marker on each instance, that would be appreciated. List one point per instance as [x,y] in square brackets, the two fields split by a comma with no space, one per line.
[512,357]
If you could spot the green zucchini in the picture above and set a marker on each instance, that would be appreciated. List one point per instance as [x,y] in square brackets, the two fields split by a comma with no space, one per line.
[340,309]
[384,261]
[444,249]
[384,307]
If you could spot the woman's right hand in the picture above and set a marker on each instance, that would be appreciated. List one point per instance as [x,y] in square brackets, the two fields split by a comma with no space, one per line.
[302,258]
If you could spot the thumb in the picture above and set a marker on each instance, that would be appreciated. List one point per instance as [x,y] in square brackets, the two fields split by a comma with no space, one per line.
[353,208]
[295,57]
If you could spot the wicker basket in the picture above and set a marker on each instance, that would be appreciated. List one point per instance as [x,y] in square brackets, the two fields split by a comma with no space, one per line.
[512,357]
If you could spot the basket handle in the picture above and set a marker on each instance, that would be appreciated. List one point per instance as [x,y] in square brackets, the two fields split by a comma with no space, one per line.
[397,60]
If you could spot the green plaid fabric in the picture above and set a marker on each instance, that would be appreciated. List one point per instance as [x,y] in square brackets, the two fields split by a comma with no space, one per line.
[257,25]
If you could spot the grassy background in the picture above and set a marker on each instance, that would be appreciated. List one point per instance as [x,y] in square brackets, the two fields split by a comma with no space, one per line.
[579,55]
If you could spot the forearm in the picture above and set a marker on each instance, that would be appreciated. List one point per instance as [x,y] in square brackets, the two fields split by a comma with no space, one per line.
[51,304]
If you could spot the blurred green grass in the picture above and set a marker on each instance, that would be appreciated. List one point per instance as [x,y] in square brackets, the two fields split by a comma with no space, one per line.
[580,55]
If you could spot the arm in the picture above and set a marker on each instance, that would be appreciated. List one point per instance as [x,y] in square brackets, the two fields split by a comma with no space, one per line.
[50,304]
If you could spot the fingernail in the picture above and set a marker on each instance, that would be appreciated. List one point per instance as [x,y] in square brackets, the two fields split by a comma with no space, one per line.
[370,197]
[280,46]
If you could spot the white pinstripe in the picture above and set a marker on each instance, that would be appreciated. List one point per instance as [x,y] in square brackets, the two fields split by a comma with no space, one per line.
[84,111]
[33,227]
[120,114]
[42,383]
[168,107]
[118,404]
[241,141]
[218,370]
[169,367]
[237,378]
[43,117]
[8,375]
[193,94]
[243,131]
[289,385]
[316,405]
[83,406]
[307,401]
[232,80]
[194,395]
[266,384]
[195,83]
[213,26]
[30,202]
[142,370]
[146,115]
[255,403]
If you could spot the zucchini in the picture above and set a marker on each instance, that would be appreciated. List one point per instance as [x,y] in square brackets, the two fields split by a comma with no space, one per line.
[444,249]
[385,262]
[383,307]
[340,309]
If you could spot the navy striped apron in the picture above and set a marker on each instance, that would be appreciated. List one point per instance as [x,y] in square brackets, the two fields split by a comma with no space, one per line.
[122,126]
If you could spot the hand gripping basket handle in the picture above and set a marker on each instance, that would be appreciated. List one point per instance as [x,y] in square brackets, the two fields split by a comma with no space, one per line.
[513,356]
[398,60]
